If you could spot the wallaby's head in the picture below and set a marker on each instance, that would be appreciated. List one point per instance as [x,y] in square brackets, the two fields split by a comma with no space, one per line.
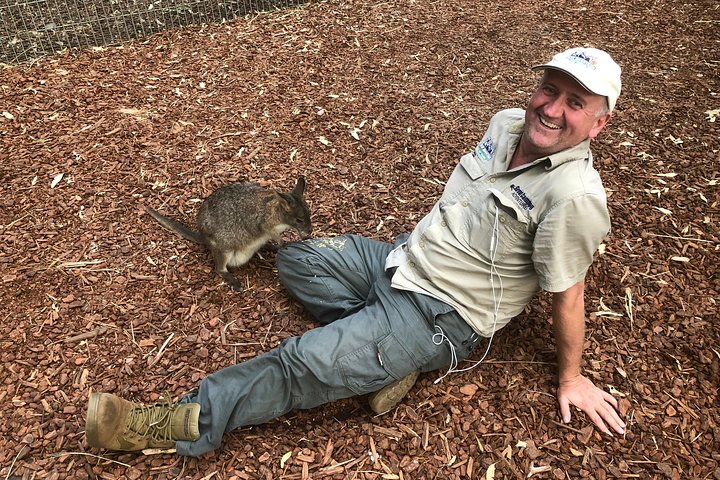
[296,212]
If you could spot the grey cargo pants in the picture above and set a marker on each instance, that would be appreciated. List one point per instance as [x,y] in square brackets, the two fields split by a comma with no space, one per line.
[371,335]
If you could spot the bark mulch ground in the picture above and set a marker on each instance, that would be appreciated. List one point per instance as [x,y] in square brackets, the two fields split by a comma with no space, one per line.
[374,103]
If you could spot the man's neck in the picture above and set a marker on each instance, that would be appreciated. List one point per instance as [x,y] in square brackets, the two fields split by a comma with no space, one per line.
[518,157]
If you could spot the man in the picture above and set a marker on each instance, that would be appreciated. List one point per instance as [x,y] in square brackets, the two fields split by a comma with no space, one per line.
[524,211]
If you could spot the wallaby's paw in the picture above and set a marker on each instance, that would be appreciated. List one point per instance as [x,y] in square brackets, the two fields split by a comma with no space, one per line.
[233,282]
[291,242]
[271,247]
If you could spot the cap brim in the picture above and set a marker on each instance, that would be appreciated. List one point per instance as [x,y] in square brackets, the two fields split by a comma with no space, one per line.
[574,77]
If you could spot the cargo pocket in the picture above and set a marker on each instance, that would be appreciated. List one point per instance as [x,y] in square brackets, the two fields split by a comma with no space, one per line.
[370,368]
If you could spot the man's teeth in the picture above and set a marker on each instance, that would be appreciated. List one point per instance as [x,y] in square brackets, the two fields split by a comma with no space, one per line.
[550,125]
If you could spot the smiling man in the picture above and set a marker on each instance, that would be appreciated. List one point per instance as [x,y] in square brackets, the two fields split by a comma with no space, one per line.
[572,104]
[524,211]
[567,108]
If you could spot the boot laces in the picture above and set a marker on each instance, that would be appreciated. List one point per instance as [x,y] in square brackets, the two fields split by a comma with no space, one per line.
[154,421]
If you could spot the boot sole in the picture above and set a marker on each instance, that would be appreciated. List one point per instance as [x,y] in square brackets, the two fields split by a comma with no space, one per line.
[91,425]
[104,421]
[387,397]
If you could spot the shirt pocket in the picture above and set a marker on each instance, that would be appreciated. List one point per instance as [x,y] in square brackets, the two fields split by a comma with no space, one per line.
[499,227]
[465,173]
[472,166]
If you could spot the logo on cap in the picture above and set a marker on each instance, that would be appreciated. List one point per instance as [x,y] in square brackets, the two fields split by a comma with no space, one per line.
[582,58]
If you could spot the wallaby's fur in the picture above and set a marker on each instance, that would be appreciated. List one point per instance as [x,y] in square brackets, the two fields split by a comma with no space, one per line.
[237,219]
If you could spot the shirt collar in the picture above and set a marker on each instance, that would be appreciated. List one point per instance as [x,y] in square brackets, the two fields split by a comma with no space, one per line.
[579,151]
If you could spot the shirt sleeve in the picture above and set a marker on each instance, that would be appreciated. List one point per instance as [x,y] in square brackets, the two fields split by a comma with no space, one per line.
[567,238]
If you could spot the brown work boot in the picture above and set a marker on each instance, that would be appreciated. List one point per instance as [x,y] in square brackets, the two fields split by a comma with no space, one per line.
[390,395]
[117,424]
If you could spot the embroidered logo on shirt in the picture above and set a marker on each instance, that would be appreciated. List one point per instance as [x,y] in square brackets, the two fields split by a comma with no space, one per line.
[521,197]
[485,150]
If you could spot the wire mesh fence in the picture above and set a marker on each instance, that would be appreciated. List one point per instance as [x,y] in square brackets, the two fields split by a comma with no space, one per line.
[31,29]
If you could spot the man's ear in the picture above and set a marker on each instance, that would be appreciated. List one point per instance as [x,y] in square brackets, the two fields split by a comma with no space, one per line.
[600,123]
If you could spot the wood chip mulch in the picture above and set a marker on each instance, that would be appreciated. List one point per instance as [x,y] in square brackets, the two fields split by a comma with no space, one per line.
[374,103]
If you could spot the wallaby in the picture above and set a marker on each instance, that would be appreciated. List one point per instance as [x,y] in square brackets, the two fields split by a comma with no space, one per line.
[237,219]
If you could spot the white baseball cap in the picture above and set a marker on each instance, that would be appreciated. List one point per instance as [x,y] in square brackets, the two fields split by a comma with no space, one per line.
[594,69]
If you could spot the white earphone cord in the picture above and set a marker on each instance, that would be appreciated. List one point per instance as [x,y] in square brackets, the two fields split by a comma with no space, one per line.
[440,337]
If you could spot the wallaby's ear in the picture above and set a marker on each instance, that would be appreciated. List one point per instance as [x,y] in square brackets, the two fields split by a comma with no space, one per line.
[299,189]
[285,200]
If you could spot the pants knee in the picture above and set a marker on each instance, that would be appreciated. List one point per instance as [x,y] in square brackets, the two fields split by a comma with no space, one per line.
[293,268]
[287,256]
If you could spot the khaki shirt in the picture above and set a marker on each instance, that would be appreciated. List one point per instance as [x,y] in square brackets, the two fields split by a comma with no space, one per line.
[496,237]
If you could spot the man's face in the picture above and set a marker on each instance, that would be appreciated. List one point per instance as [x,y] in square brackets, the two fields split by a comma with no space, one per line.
[562,114]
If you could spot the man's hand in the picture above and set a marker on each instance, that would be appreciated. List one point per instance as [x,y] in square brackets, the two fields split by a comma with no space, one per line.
[599,405]
[575,389]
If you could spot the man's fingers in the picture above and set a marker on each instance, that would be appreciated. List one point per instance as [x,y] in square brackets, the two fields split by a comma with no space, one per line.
[619,428]
[612,417]
[610,399]
[565,410]
[600,407]
[598,421]
[609,418]
[611,414]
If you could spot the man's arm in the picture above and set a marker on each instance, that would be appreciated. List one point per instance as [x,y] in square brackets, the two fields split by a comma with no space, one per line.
[568,313]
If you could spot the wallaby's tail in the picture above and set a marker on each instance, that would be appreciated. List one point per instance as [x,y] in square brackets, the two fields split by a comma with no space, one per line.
[176,227]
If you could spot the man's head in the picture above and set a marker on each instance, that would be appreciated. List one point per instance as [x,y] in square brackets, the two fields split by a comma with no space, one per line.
[594,69]
[573,102]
